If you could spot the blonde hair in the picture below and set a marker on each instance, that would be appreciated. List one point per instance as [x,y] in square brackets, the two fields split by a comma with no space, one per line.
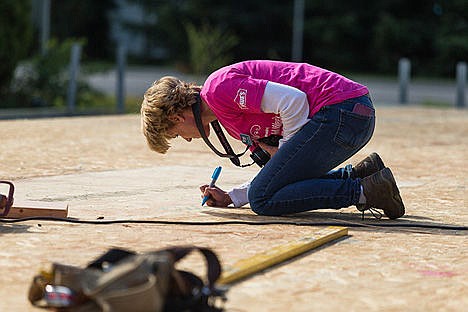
[166,97]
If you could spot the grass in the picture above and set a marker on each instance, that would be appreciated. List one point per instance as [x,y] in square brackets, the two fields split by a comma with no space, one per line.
[100,105]
[96,67]
[436,104]
[108,104]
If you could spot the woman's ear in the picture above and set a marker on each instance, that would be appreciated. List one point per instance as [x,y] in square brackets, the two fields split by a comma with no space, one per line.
[176,118]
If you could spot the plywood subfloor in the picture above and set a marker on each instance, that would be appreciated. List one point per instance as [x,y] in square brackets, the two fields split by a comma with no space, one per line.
[102,168]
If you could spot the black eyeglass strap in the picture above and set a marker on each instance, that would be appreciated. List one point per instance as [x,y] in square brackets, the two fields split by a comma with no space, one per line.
[219,133]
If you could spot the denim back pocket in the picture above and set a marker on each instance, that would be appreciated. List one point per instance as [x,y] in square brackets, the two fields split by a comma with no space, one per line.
[355,127]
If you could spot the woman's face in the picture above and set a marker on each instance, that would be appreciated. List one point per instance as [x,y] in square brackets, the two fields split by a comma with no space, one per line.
[185,126]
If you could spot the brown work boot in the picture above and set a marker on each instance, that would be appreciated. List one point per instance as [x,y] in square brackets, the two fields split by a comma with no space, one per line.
[381,192]
[369,165]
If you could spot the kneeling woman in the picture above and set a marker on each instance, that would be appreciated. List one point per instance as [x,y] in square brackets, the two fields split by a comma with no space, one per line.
[321,118]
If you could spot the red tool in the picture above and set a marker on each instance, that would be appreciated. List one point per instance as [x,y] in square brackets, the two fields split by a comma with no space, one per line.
[28,209]
[6,201]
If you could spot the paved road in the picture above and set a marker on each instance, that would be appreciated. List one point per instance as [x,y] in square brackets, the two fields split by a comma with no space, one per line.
[137,79]
[383,91]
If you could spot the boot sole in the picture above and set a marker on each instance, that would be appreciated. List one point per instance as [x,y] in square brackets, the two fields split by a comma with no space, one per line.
[398,208]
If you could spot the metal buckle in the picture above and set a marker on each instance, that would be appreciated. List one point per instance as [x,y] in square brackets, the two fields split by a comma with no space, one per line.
[6,201]
[59,296]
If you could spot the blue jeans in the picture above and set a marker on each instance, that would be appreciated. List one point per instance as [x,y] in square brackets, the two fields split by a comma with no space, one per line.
[299,178]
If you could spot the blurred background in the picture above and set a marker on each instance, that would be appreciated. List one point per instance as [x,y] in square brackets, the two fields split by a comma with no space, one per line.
[72,57]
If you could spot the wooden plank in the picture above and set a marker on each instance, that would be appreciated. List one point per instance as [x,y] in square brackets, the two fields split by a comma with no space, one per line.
[276,255]
[36,209]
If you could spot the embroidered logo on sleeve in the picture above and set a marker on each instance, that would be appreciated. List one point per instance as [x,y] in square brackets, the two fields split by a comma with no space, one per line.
[241,98]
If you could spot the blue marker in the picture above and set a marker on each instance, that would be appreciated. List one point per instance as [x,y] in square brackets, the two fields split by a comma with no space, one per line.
[214,177]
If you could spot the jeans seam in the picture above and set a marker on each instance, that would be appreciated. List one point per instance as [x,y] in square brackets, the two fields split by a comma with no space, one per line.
[311,197]
[290,202]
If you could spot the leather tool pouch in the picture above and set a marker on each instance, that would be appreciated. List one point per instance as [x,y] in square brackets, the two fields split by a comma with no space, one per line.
[121,280]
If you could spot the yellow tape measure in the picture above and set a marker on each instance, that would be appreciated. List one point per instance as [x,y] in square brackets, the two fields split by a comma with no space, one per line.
[276,255]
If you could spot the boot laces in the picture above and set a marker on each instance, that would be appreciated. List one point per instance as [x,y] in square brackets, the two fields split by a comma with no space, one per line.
[362,208]
[377,214]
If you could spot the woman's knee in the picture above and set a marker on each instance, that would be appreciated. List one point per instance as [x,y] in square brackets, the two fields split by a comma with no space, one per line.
[263,210]
[259,209]
[256,204]
[260,205]
[260,194]
[257,199]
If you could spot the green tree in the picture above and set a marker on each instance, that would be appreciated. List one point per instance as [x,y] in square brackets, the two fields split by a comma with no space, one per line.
[209,48]
[403,29]
[15,37]
[262,27]
[337,35]
[45,80]
[354,35]
[451,35]
[83,19]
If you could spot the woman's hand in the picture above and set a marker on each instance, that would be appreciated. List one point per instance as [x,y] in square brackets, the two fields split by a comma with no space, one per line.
[270,149]
[217,197]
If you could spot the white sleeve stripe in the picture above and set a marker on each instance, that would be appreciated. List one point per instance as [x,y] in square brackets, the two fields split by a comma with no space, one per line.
[292,106]
[239,195]
[290,103]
